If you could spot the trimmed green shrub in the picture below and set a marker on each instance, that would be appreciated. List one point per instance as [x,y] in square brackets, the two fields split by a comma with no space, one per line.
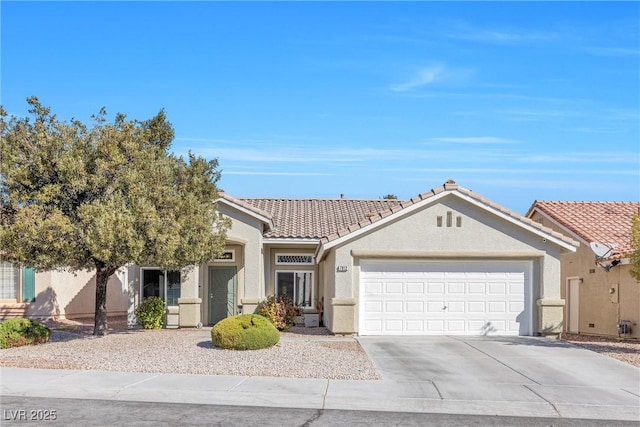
[20,331]
[151,313]
[279,310]
[244,332]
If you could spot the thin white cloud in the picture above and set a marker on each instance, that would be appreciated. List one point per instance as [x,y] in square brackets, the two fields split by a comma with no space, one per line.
[424,76]
[598,158]
[476,140]
[519,171]
[463,31]
[612,51]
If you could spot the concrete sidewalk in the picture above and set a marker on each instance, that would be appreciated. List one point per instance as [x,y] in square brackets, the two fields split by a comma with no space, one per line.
[385,395]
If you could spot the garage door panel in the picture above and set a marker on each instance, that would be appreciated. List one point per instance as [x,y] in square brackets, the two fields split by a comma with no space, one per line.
[373,306]
[415,287]
[435,325]
[435,306]
[455,326]
[516,288]
[497,307]
[444,297]
[393,306]
[497,288]
[415,307]
[516,306]
[373,326]
[393,325]
[373,288]
[455,288]
[434,288]
[393,287]
[455,306]
[476,307]
[415,326]
[477,288]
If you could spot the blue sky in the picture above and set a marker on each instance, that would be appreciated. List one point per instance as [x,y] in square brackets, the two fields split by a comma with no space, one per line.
[516,101]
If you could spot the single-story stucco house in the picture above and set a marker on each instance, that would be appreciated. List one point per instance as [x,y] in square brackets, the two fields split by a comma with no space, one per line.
[602,298]
[448,261]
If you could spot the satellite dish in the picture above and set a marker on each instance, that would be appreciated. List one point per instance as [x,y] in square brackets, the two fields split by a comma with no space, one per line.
[600,249]
[603,251]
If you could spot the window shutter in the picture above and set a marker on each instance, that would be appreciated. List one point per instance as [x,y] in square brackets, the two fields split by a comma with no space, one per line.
[28,284]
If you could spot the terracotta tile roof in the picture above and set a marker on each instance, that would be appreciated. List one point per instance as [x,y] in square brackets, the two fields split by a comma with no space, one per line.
[330,219]
[244,204]
[604,222]
[450,185]
[316,218]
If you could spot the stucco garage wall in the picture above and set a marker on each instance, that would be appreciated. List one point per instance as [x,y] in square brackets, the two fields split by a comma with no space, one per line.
[482,235]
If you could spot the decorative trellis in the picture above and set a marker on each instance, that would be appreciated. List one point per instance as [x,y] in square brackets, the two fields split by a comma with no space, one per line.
[296,259]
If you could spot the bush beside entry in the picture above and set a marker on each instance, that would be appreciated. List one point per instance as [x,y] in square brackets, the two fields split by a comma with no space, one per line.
[244,332]
[151,313]
[20,331]
[279,310]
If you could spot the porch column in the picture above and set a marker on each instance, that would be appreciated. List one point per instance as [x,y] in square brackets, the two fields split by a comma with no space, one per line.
[189,301]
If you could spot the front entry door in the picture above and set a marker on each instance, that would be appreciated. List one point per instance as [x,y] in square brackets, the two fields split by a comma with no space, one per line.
[223,285]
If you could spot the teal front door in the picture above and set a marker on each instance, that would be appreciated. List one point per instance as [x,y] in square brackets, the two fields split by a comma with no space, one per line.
[223,284]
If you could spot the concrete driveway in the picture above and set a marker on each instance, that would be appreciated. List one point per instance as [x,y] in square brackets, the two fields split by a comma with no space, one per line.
[518,371]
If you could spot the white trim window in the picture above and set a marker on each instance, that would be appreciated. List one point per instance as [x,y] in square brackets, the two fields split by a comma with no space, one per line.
[9,280]
[297,285]
[294,259]
[17,283]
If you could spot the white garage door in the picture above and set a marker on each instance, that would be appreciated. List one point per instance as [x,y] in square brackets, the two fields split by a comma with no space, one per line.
[445,298]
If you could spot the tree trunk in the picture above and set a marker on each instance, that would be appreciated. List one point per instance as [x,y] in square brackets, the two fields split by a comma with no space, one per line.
[102,277]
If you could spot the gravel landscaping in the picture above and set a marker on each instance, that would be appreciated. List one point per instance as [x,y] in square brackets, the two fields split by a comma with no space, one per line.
[301,353]
[627,351]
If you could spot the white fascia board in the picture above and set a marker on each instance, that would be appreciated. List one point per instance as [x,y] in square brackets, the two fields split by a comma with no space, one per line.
[515,221]
[249,212]
[280,240]
[560,226]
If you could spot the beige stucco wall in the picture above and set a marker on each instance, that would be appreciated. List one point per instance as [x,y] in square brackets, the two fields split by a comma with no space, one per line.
[72,295]
[247,230]
[481,235]
[329,287]
[599,310]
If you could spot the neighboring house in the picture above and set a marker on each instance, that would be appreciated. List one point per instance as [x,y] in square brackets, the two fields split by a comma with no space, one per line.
[600,294]
[445,262]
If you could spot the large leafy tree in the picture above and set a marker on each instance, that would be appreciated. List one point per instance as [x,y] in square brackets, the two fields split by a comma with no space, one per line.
[99,197]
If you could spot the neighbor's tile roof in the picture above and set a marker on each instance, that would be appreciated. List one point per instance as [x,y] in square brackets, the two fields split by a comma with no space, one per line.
[330,219]
[603,222]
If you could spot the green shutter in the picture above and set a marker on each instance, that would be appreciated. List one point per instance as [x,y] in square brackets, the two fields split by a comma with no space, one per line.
[28,284]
